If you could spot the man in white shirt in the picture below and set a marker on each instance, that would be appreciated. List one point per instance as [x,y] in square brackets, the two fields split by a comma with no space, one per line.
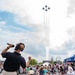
[70,70]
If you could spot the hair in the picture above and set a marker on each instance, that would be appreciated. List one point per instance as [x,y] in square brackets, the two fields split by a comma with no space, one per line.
[30,68]
[18,47]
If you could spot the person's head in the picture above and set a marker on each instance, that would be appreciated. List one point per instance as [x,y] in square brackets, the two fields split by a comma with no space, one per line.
[30,68]
[20,46]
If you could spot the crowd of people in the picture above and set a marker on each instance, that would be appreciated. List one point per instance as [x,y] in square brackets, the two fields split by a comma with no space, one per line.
[56,69]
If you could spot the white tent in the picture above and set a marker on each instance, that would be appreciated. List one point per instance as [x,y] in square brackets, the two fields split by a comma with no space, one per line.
[46,64]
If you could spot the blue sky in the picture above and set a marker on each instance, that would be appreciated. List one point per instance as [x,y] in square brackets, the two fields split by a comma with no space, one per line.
[11,27]
[11,22]
[24,21]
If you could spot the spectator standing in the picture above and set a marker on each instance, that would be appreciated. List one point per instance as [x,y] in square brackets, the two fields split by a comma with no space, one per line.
[14,59]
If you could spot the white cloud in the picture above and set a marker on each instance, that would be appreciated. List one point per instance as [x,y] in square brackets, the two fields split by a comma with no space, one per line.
[2,23]
[30,13]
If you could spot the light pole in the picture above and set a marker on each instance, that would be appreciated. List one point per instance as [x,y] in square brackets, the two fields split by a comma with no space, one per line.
[46,29]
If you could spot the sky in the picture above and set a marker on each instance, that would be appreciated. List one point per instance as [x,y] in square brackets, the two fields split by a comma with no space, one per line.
[25,21]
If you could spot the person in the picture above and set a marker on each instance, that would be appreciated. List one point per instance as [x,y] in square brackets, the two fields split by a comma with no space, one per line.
[27,69]
[14,59]
[70,70]
[41,71]
[31,71]
[45,70]
[61,70]
[1,67]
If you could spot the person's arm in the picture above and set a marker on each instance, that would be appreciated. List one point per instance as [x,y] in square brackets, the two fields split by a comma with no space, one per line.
[24,70]
[6,49]
[24,64]
[28,62]
[28,73]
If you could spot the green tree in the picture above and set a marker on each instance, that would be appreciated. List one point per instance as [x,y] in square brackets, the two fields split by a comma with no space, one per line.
[59,61]
[40,63]
[33,62]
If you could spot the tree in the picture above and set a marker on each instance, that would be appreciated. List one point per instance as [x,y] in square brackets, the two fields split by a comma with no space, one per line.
[33,62]
[52,61]
[40,63]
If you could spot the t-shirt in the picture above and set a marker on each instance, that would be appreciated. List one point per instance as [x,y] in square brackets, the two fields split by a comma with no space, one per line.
[27,70]
[31,72]
[70,70]
[13,61]
[45,71]
[41,72]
